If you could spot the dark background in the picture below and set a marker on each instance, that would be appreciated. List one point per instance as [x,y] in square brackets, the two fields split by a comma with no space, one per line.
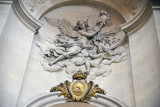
[154,0]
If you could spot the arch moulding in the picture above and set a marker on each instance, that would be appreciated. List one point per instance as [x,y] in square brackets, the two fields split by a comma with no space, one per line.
[51,99]
[134,17]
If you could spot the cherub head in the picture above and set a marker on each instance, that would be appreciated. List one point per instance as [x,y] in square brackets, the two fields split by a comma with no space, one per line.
[100,49]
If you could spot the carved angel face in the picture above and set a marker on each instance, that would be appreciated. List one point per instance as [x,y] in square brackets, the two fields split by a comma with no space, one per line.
[100,49]
[102,19]
[81,25]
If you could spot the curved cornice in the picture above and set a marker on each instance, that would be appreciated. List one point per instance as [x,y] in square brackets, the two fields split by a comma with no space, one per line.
[50,99]
[133,22]
[25,17]
[44,9]
[127,8]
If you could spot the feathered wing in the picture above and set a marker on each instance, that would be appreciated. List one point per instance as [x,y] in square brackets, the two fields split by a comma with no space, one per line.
[64,26]
[63,90]
[92,19]
[111,30]
[116,32]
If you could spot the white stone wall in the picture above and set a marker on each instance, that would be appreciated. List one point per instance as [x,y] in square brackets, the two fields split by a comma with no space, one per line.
[15,45]
[145,61]
[4,10]
[156,13]
[135,82]
[38,81]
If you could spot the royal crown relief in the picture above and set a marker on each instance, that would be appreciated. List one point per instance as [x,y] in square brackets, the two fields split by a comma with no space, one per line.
[93,44]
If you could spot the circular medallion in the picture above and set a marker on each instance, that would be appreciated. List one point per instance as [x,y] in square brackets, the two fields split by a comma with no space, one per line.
[78,88]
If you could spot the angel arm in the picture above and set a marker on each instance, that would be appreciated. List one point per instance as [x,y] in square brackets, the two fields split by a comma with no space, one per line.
[88,35]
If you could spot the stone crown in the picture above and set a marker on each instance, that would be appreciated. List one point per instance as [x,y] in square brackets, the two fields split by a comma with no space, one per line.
[79,75]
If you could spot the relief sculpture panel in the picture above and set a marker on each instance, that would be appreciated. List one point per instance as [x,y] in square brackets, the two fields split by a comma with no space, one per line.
[92,45]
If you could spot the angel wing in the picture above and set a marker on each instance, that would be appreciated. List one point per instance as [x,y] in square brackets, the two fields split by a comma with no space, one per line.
[113,31]
[64,26]
[92,19]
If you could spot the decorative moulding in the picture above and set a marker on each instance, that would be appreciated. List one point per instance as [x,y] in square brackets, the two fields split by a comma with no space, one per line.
[33,22]
[50,99]
[25,17]
[136,23]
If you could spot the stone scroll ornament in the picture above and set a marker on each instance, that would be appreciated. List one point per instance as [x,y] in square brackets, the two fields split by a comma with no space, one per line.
[92,44]
[78,90]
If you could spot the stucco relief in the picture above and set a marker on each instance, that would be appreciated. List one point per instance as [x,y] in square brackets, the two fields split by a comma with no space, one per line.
[131,7]
[93,44]
[33,5]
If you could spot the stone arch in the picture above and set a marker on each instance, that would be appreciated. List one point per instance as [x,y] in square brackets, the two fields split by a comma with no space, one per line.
[51,99]
[132,21]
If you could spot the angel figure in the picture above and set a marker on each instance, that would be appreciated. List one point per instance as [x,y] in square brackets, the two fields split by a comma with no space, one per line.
[79,33]
[110,56]
[71,48]
[104,19]
[81,28]
[96,60]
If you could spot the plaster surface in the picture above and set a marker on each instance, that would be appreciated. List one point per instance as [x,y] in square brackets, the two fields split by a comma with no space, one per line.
[128,9]
[135,81]
[15,45]
[37,80]
[4,10]
[157,21]
[145,60]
